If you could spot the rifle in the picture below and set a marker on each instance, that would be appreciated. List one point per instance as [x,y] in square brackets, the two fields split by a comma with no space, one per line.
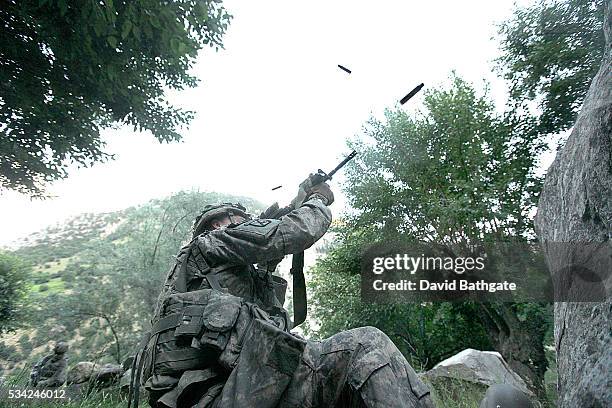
[300,302]
[274,211]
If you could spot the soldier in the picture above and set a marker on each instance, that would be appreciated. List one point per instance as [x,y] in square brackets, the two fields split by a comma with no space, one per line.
[50,372]
[220,337]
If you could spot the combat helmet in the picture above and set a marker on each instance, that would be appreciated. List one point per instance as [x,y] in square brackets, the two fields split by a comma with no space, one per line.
[61,347]
[212,211]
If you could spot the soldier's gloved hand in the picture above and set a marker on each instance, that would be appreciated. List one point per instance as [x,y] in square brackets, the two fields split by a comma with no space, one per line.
[323,191]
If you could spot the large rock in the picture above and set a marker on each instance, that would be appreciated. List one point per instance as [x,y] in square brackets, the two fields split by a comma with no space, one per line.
[480,367]
[108,374]
[80,373]
[99,376]
[124,381]
[576,207]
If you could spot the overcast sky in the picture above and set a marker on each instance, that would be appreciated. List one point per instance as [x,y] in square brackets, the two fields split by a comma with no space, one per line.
[273,106]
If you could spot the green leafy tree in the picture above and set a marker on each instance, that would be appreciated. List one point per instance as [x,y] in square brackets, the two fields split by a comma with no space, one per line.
[14,273]
[455,174]
[550,52]
[71,68]
[425,333]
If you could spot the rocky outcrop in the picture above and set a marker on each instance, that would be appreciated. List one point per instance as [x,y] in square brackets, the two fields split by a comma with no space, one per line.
[80,373]
[107,375]
[100,376]
[86,377]
[479,367]
[576,207]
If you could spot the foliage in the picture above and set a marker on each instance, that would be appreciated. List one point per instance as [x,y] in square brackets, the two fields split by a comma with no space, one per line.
[550,52]
[459,171]
[14,273]
[455,174]
[71,68]
[107,398]
[425,333]
[53,247]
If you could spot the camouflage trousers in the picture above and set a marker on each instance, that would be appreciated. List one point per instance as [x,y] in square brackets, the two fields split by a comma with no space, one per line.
[355,368]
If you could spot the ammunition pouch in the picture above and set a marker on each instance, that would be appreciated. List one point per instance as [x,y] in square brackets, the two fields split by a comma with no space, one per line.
[264,370]
[204,336]
[192,333]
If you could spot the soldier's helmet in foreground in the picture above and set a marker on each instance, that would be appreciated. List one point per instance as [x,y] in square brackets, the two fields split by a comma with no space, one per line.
[61,347]
[211,212]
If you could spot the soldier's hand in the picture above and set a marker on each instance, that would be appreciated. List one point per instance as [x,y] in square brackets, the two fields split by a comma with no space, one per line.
[324,191]
[311,186]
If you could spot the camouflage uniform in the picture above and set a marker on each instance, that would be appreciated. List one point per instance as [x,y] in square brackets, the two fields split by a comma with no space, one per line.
[50,372]
[240,353]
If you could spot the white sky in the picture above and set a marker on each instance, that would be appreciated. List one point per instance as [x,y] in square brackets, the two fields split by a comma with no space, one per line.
[273,106]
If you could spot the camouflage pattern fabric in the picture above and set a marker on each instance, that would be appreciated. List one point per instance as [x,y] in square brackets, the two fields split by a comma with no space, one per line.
[355,368]
[263,365]
[50,372]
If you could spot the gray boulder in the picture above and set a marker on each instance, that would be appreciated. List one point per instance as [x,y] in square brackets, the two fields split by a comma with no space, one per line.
[485,368]
[107,375]
[80,373]
[98,376]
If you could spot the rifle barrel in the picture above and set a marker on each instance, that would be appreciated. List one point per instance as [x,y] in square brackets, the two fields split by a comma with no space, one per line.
[342,163]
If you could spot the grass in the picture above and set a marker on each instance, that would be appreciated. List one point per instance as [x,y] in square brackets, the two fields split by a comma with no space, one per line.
[108,398]
[447,393]
[55,285]
[451,393]
[46,272]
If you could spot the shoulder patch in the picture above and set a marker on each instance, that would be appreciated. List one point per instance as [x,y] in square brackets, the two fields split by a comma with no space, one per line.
[257,230]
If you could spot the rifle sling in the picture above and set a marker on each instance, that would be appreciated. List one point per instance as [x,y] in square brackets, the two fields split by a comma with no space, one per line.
[299,289]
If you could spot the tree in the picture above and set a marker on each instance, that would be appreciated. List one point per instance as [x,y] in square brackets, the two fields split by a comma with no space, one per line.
[424,333]
[71,68]
[550,53]
[455,174]
[14,273]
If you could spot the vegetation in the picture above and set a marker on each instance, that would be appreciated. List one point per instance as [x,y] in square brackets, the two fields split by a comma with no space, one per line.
[455,174]
[550,52]
[14,273]
[97,63]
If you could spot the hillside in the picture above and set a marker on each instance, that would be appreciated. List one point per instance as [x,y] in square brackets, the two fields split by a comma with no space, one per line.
[95,272]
